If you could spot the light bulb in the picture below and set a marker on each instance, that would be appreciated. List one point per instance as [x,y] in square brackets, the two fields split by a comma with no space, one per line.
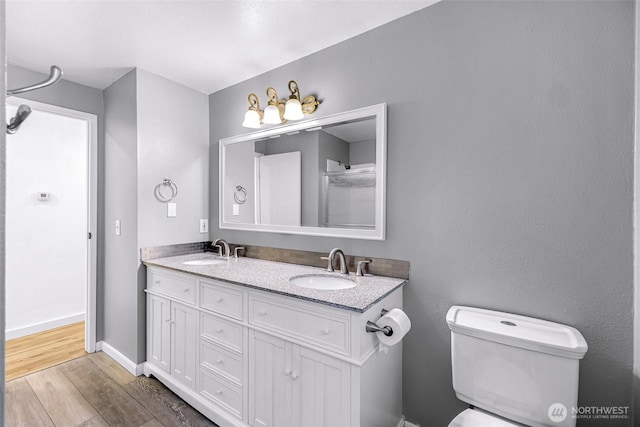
[293,110]
[272,115]
[251,119]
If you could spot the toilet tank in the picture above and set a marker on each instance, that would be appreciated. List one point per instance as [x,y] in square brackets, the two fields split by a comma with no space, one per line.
[518,367]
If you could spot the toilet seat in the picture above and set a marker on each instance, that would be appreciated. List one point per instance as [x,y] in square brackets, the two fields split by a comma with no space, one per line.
[478,418]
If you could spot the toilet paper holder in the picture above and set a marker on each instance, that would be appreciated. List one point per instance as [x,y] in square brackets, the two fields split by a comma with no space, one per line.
[372,327]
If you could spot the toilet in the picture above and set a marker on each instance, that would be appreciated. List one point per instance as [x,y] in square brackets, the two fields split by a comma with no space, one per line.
[513,370]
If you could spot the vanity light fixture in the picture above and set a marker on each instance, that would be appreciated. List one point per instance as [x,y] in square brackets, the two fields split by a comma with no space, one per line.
[278,110]
[253,116]
[273,114]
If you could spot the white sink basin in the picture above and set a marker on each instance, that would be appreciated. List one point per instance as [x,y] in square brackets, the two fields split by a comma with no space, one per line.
[205,261]
[322,281]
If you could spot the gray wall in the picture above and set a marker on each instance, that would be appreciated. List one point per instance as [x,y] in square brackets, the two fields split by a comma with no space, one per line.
[155,129]
[121,296]
[3,90]
[173,142]
[510,174]
[80,98]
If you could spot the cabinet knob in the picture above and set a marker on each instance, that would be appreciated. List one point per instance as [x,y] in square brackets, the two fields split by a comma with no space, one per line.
[219,331]
[294,376]
[262,312]
[157,283]
[326,332]
[287,372]
[219,391]
[169,321]
[186,290]
[219,361]
[220,300]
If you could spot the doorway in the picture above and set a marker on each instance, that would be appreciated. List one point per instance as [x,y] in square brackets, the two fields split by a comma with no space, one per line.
[51,222]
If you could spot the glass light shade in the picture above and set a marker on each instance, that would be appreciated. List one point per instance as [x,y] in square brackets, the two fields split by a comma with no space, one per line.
[251,119]
[272,115]
[293,110]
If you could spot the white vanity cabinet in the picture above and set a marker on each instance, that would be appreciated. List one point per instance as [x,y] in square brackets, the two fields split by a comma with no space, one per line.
[294,386]
[172,327]
[246,357]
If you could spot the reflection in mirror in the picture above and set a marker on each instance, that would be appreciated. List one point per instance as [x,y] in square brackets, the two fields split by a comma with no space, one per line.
[302,179]
[315,178]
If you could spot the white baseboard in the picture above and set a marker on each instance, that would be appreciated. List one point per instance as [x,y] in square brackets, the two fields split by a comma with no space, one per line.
[127,364]
[44,326]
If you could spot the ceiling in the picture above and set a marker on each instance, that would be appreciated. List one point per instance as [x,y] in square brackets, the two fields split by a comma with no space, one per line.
[206,45]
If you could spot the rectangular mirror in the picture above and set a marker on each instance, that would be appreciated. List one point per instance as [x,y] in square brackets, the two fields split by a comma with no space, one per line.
[320,177]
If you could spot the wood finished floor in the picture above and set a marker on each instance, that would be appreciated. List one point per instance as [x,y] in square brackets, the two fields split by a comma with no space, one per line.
[95,391]
[35,352]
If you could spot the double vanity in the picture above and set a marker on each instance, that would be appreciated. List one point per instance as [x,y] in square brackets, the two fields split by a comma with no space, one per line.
[250,342]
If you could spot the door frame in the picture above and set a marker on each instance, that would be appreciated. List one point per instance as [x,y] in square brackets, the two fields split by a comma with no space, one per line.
[92,211]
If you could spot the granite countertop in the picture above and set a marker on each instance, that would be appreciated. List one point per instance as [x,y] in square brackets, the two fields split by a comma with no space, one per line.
[274,277]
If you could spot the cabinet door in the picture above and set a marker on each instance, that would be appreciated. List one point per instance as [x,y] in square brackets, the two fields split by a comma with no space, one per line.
[323,386]
[159,332]
[269,381]
[184,343]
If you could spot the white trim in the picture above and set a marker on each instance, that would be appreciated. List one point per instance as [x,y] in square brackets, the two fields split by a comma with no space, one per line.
[44,326]
[126,363]
[378,111]
[92,208]
[409,424]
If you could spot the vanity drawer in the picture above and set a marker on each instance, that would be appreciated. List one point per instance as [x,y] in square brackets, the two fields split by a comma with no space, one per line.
[328,330]
[178,287]
[221,299]
[217,390]
[221,361]
[221,331]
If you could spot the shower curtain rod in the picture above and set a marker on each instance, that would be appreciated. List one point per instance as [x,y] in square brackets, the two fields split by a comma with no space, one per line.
[54,75]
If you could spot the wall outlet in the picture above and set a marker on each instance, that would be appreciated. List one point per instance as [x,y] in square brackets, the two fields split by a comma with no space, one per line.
[118,229]
[204,226]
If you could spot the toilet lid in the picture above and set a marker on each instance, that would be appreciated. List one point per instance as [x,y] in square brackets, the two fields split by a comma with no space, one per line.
[476,418]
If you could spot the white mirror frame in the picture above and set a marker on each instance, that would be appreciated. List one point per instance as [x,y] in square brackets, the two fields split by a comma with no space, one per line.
[378,111]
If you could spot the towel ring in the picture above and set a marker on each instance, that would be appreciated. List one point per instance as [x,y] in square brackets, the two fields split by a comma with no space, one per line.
[240,195]
[172,186]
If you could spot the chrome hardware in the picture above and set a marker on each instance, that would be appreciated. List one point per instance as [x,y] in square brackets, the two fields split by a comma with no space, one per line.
[219,391]
[372,327]
[362,266]
[239,248]
[170,321]
[220,251]
[55,73]
[294,376]
[219,361]
[325,332]
[186,290]
[262,313]
[220,300]
[219,331]
[172,187]
[331,257]
[287,372]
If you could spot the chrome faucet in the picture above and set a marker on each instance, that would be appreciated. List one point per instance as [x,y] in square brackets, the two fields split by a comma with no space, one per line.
[220,246]
[332,256]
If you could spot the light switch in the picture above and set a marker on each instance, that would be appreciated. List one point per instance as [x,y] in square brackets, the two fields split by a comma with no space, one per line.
[236,209]
[171,210]
[117,227]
